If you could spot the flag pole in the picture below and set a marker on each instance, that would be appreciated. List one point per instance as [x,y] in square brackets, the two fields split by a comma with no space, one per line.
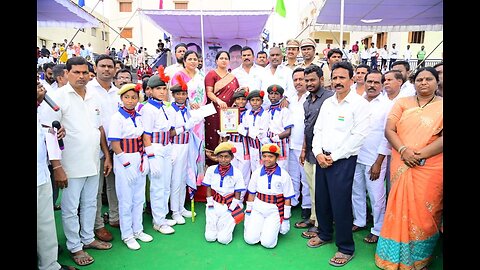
[203,50]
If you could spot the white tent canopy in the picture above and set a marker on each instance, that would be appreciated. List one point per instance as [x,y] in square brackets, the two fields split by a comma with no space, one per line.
[63,13]
[382,15]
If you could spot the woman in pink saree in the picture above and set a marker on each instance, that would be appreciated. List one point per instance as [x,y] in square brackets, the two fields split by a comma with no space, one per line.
[412,219]
[196,98]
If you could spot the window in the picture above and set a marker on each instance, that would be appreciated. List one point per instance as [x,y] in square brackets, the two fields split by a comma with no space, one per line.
[416,37]
[94,31]
[125,5]
[127,32]
[317,40]
[381,39]
[181,5]
[329,41]
[43,42]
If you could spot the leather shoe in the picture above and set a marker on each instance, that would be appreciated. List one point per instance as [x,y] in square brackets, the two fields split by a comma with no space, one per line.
[103,234]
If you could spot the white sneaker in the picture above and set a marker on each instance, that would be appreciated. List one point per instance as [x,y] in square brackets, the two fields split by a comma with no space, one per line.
[132,243]
[188,214]
[178,218]
[143,237]
[165,229]
[171,222]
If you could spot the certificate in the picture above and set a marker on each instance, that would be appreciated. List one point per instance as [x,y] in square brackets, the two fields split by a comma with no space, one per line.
[229,120]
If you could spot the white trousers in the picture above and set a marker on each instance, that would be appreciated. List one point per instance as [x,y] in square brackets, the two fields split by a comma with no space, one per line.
[178,184]
[160,185]
[298,175]
[131,197]
[243,165]
[47,245]
[310,175]
[376,193]
[255,158]
[80,192]
[219,224]
[111,196]
[263,224]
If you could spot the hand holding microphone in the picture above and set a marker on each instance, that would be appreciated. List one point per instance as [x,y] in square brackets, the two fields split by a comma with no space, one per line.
[57,125]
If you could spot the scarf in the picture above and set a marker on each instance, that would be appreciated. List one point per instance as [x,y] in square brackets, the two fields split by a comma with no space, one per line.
[223,169]
[130,112]
[270,170]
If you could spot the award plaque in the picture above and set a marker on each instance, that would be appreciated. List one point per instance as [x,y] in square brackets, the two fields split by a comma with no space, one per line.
[229,120]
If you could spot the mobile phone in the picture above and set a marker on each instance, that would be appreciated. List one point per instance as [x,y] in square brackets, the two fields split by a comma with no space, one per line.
[422,162]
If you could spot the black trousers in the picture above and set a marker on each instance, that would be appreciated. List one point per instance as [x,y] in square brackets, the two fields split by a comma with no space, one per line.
[333,202]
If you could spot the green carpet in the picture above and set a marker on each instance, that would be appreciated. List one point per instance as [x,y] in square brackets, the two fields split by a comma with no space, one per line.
[188,249]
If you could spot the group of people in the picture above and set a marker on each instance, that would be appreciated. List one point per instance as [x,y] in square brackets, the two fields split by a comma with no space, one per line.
[310,134]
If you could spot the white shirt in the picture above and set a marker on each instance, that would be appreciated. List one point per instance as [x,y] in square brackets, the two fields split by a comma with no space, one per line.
[172,70]
[407,55]
[124,127]
[232,182]
[407,90]
[252,79]
[156,117]
[280,120]
[298,118]
[81,119]
[279,183]
[282,77]
[341,128]
[375,143]
[393,53]
[43,174]
[110,102]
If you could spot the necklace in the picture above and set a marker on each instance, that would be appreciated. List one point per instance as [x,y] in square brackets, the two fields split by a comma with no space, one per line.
[421,107]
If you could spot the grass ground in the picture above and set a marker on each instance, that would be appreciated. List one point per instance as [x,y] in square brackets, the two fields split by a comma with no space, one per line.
[188,249]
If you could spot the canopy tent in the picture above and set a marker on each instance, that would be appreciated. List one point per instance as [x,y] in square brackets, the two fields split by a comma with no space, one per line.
[218,24]
[222,30]
[63,13]
[382,15]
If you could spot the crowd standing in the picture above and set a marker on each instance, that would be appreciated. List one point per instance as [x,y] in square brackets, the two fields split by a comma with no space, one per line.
[319,135]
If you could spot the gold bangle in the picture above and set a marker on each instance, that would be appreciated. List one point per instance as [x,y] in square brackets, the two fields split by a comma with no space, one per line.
[402,149]
[56,167]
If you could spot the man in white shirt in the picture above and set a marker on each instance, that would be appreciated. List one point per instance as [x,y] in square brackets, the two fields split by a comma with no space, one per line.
[103,85]
[407,87]
[299,178]
[47,245]
[407,55]
[340,130]
[180,50]
[371,162]
[276,73]
[80,114]
[393,56]
[248,73]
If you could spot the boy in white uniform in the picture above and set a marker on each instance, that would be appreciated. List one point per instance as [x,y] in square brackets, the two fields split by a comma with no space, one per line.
[157,120]
[241,158]
[280,124]
[224,183]
[183,122]
[268,208]
[125,135]
[256,122]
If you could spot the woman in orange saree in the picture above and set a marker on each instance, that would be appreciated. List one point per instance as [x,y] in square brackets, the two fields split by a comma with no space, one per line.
[412,219]
[220,86]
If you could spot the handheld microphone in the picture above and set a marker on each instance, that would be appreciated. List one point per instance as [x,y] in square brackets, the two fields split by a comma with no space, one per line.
[57,125]
[51,103]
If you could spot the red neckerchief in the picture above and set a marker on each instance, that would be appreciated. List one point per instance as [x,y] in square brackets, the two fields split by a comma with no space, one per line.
[223,169]
[130,112]
[270,170]
[242,109]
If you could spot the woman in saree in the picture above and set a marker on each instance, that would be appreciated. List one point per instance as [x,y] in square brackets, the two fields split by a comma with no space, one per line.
[220,86]
[412,219]
[196,98]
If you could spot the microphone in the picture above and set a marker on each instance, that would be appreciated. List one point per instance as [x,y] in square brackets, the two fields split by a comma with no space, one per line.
[52,104]
[57,125]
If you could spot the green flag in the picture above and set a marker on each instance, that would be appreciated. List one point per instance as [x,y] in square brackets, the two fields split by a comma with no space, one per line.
[280,8]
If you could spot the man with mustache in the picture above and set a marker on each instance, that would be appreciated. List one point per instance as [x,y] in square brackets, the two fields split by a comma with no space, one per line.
[248,73]
[339,132]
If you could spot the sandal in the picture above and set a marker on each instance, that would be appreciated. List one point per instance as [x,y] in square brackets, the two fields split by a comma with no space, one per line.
[82,258]
[370,238]
[356,228]
[98,244]
[340,259]
[316,242]
[307,223]
[310,233]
